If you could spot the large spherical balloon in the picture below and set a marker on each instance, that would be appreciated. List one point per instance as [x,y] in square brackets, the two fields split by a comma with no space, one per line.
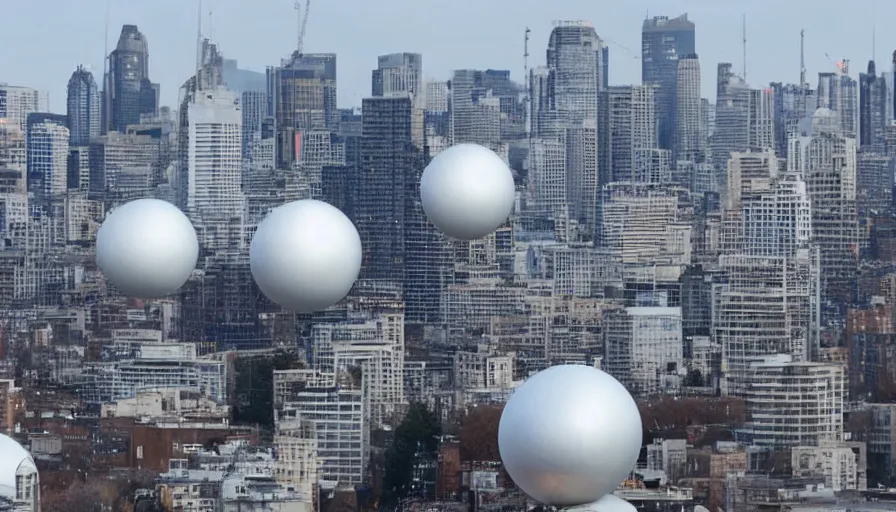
[147,248]
[305,255]
[467,191]
[610,503]
[569,435]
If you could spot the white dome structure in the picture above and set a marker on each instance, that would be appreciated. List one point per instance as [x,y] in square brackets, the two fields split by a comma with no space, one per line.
[19,482]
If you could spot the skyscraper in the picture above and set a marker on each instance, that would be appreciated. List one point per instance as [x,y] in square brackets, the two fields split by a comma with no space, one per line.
[47,143]
[873,109]
[303,92]
[687,139]
[83,108]
[839,92]
[215,155]
[399,74]
[629,125]
[128,90]
[391,161]
[826,160]
[575,63]
[663,42]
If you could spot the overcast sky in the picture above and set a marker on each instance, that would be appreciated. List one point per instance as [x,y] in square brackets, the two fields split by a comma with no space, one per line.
[43,41]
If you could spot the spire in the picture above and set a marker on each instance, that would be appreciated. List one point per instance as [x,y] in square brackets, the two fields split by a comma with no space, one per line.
[802,58]
[198,80]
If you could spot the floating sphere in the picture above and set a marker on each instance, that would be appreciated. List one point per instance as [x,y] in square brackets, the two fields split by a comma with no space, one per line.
[305,255]
[609,503]
[467,191]
[569,435]
[18,474]
[147,248]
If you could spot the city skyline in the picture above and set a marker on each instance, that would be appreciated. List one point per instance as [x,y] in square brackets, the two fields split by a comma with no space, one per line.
[239,33]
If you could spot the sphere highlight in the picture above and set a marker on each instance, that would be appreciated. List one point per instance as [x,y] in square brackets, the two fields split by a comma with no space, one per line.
[569,435]
[305,255]
[467,191]
[147,248]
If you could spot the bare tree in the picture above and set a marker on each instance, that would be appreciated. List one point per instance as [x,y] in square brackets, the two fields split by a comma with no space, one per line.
[479,433]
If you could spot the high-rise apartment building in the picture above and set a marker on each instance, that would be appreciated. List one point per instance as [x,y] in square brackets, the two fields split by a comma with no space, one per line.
[47,143]
[826,160]
[628,122]
[840,93]
[303,95]
[253,105]
[399,74]
[575,63]
[687,139]
[214,173]
[16,103]
[664,41]
[745,120]
[485,107]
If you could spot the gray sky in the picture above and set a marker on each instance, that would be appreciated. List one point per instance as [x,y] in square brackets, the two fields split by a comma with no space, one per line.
[43,40]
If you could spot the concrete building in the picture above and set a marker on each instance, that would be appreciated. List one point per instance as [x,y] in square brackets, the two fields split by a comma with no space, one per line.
[825,157]
[688,140]
[643,349]
[843,465]
[214,172]
[47,142]
[794,403]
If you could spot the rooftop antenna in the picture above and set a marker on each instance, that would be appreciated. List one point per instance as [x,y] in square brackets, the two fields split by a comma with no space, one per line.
[526,54]
[526,74]
[106,99]
[802,58]
[106,41]
[873,31]
[744,41]
[198,79]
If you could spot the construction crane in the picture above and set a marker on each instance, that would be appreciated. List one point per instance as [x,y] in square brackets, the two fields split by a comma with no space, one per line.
[623,48]
[842,65]
[302,22]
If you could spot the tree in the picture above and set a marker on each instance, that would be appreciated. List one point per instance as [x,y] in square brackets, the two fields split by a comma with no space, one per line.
[79,497]
[343,501]
[694,378]
[673,413]
[479,433]
[255,386]
[418,434]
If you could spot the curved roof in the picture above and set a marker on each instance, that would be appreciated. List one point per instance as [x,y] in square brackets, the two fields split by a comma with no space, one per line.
[12,457]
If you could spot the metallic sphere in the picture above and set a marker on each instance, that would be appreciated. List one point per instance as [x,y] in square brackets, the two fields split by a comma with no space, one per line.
[147,248]
[569,435]
[467,191]
[19,479]
[305,255]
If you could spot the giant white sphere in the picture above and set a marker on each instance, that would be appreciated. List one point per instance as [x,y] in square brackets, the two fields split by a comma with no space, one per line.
[147,248]
[569,435]
[305,255]
[467,191]
[609,503]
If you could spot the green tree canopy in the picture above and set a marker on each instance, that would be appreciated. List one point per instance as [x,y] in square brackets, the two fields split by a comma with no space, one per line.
[420,430]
